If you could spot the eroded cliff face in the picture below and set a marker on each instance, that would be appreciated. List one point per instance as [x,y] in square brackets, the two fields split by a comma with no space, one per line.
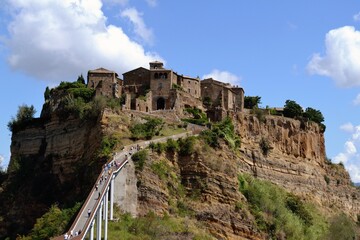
[296,162]
[51,161]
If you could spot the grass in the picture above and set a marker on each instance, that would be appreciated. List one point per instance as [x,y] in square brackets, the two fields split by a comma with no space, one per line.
[280,214]
[152,226]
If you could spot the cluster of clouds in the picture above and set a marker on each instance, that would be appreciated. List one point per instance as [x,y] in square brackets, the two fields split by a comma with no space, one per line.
[223,76]
[350,157]
[341,62]
[57,40]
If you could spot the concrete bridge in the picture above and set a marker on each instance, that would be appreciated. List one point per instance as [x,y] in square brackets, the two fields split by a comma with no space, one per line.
[99,206]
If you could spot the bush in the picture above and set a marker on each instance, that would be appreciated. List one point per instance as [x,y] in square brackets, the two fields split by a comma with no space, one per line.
[292,109]
[187,146]
[53,223]
[265,146]
[24,115]
[259,113]
[147,130]
[281,214]
[313,115]
[341,227]
[199,117]
[172,145]
[225,130]
[158,147]
[139,159]
[327,179]
[107,146]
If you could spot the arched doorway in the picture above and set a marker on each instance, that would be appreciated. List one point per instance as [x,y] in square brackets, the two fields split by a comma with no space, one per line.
[160,103]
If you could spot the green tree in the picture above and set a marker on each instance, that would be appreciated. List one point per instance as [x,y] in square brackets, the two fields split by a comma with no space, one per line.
[251,102]
[292,109]
[25,114]
[313,115]
[81,79]
[47,93]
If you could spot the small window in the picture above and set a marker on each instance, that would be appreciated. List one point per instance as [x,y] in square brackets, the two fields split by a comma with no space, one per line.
[189,90]
[189,82]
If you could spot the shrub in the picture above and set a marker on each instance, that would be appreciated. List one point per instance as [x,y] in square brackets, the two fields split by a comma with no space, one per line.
[281,214]
[327,179]
[225,130]
[172,145]
[107,146]
[313,115]
[292,109]
[187,146]
[265,146]
[341,227]
[139,159]
[147,130]
[158,147]
[199,117]
[259,113]
[53,223]
[24,115]
[251,102]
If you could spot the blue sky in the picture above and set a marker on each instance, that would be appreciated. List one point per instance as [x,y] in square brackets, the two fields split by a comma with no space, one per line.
[307,51]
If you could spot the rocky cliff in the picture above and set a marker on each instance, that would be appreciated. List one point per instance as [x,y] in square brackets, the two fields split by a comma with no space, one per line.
[51,162]
[295,160]
[60,167]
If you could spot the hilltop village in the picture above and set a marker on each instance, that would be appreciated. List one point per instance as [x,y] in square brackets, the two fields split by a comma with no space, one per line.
[158,88]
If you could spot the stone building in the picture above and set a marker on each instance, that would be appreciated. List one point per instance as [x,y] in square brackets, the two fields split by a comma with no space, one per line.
[158,88]
[105,82]
[221,98]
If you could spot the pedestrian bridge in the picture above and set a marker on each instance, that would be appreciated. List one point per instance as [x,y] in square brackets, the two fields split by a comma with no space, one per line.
[98,208]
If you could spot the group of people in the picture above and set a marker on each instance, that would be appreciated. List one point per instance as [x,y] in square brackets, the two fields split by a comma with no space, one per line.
[106,171]
[72,234]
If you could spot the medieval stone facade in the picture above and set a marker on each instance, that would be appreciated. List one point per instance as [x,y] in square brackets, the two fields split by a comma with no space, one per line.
[105,82]
[159,88]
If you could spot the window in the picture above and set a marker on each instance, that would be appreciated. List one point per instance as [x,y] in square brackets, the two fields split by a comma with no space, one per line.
[189,90]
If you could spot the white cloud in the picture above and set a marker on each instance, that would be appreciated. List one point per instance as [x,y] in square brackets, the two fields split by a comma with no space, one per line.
[350,157]
[347,127]
[223,76]
[356,17]
[356,101]
[58,40]
[152,3]
[341,157]
[341,61]
[354,171]
[350,148]
[119,2]
[2,158]
[140,28]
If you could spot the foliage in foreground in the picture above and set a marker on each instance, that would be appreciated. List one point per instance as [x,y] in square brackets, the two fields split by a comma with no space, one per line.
[53,223]
[152,226]
[279,214]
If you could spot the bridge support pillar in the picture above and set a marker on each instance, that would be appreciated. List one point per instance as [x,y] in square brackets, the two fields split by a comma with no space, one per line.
[92,230]
[112,186]
[98,226]
[106,213]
